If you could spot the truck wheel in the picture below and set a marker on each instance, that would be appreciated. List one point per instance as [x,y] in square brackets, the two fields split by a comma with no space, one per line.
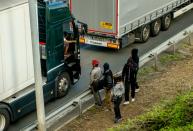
[144,33]
[155,27]
[166,21]
[4,119]
[63,84]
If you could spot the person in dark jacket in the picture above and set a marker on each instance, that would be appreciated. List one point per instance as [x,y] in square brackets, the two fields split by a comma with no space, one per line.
[128,75]
[135,57]
[107,84]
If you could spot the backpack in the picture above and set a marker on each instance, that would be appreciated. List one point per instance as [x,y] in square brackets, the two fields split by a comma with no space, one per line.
[132,64]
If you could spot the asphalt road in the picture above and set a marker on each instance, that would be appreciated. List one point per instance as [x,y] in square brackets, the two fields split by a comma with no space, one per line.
[116,59]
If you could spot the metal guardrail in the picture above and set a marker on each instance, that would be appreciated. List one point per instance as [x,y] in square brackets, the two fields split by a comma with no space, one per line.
[165,45]
[143,59]
[52,116]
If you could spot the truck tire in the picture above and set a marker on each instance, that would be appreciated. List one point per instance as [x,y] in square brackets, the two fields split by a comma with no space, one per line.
[143,34]
[166,21]
[4,119]
[63,84]
[155,27]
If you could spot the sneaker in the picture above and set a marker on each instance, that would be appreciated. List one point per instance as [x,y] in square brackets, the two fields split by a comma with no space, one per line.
[136,90]
[117,120]
[106,110]
[126,103]
[97,104]
[133,99]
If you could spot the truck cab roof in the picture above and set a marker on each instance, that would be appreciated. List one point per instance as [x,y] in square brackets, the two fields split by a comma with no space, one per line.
[5,4]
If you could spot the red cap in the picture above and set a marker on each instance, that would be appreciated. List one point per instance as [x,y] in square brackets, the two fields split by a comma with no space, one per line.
[95,62]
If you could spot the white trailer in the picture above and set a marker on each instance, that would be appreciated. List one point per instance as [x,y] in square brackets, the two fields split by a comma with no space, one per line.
[116,23]
[16,67]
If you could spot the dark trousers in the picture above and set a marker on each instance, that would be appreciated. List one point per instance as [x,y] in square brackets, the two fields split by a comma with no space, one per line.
[135,80]
[97,96]
[117,103]
[128,86]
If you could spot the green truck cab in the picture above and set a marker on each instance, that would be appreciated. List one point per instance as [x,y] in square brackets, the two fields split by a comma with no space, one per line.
[54,21]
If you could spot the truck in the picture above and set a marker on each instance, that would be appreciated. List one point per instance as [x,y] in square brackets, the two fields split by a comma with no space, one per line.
[59,73]
[118,23]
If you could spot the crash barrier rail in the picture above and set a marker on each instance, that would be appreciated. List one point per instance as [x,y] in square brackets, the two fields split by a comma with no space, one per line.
[171,42]
[55,114]
[78,101]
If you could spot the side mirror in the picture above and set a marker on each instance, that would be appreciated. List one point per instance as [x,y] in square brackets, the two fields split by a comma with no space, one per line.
[83,28]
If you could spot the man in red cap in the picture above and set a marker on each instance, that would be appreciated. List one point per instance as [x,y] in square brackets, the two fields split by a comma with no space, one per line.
[95,76]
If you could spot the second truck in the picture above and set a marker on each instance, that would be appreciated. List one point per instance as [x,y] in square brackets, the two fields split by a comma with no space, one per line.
[117,23]
[17,93]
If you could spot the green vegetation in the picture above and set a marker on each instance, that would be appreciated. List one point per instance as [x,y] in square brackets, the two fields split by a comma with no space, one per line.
[164,59]
[185,44]
[146,70]
[170,57]
[175,115]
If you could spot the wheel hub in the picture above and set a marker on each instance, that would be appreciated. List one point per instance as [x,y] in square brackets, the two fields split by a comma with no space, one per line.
[167,21]
[157,26]
[63,84]
[146,32]
[2,122]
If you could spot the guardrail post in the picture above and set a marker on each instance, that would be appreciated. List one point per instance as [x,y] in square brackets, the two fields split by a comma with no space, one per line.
[156,61]
[174,48]
[80,106]
[190,39]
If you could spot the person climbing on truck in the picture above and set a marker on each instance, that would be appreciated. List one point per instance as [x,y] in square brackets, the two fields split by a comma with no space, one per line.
[67,41]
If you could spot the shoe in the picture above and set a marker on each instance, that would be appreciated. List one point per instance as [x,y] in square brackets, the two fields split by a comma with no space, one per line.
[117,120]
[137,90]
[133,99]
[106,110]
[97,104]
[126,103]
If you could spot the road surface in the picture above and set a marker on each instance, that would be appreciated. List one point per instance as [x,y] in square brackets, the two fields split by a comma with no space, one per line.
[115,58]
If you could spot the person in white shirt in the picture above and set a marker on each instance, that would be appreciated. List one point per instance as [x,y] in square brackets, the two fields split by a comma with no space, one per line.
[67,41]
[117,94]
[95,76]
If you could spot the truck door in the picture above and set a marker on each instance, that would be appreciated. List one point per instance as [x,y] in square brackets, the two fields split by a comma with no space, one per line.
[54,39]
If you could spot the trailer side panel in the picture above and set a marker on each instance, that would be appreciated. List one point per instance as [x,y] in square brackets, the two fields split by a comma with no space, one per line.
[100,15]
[133,14]
[16,51]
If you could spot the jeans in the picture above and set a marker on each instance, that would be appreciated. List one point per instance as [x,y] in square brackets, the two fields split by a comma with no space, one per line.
[107,98]
[117,108]
[135,80]
[97,96]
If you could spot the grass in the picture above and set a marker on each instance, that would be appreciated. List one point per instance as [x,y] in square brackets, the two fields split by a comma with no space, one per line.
[171,115]
[146,70]
[170,57]
[164,59]
[175,115]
